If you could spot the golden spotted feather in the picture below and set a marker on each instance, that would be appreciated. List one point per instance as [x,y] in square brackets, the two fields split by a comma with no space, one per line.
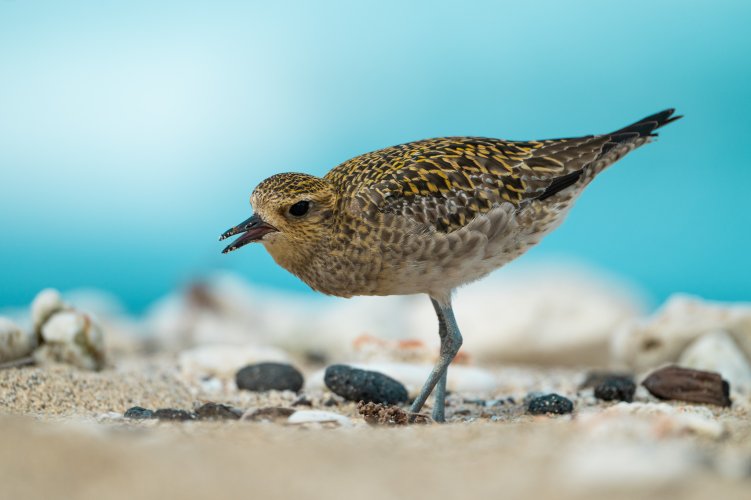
[445,183]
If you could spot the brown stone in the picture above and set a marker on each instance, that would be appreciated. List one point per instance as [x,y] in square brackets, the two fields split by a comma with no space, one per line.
[685,384]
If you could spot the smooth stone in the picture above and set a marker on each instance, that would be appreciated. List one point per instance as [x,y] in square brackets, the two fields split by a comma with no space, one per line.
[616,388]
[138,413]
[216,411]
[549,404]
[318,416]
[173,414]
[596,377]
[718,352]
[269,376]
[686,384]
[354,384]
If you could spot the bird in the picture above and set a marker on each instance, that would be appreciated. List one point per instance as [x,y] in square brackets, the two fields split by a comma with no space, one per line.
[427,217]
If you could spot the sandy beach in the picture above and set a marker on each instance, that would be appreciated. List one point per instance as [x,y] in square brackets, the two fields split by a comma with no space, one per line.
[63,435]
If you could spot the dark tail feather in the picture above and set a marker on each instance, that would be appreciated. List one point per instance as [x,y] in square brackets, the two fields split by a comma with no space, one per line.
[646,126]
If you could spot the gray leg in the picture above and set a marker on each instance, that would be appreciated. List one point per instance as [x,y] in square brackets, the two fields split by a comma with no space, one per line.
[451,341]
[439,396]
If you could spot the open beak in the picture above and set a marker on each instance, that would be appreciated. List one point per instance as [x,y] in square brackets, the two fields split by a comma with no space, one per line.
[254,229]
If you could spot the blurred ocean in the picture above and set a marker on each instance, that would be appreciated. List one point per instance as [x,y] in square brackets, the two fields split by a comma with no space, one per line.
[132,133]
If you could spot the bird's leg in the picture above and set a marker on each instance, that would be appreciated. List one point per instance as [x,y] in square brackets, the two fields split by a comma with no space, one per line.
[439,398]
[451,341]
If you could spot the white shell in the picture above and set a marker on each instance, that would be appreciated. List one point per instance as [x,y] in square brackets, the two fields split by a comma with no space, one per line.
[71,337]
[318,416]
[14,342]
[45,304]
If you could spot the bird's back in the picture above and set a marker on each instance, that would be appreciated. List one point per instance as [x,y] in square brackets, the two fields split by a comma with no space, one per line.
[441,212]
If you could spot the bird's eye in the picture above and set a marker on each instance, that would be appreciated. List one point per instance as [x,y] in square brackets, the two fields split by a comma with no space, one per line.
[300,208]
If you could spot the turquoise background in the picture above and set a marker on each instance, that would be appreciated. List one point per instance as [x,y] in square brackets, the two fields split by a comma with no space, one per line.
[132,132]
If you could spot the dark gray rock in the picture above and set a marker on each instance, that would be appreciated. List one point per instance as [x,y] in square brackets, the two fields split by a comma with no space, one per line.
[138,413]
[596,377]
[216,411]
[173,414]
[549,404]
[269,376]
[354,384]
[616,388]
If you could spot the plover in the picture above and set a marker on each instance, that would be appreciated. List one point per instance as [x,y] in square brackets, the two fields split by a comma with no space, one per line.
[428,216]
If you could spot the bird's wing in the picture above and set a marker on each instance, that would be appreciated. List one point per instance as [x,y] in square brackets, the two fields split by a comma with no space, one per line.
[443,184]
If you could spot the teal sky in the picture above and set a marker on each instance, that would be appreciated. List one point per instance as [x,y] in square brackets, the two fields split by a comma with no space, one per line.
[132,132]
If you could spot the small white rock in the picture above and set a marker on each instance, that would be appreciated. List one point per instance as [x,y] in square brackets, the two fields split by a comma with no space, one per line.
[717,352]
[71,337]
[318,416]
[650,342]
[14,342]
[45,304]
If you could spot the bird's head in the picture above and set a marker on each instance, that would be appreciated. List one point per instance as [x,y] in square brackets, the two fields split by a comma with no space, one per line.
[293,212]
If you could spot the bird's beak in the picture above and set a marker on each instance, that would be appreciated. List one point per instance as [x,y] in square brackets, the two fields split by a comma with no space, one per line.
[254,228]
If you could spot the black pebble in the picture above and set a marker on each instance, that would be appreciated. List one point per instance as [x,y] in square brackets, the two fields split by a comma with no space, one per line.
[616,388]
[550,403]
[138,413]
[354,384]
[173,414]
[262,377]
[216,411]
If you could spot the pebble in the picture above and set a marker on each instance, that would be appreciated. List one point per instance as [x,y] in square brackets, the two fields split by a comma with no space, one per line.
[173,414]
[549,404]
[615,388]
[318,416]
[14,342]
[138,413]
[718,352]
[269,376]
[354,384]
[685,384]
[216,411]
[268,414]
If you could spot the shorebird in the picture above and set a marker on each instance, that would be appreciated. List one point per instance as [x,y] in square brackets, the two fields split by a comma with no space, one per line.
[427,217]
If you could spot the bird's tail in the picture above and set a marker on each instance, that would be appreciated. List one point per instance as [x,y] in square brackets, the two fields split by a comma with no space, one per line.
[625,140]
[646,126]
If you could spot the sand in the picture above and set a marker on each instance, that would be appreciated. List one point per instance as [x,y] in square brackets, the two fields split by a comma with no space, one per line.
[62,435]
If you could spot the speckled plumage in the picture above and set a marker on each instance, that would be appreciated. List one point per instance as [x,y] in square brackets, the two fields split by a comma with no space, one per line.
[428,216]
[431,215]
